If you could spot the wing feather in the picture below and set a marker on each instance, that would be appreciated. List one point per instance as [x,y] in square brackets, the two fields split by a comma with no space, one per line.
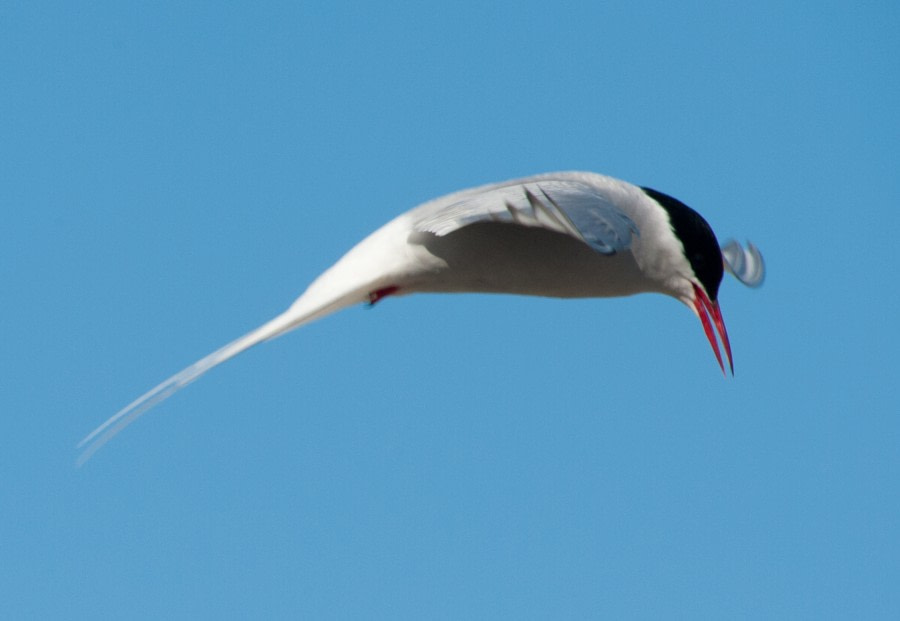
[569,207]
[746,265]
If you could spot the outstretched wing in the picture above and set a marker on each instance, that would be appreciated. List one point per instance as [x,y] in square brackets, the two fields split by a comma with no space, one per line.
[565,206]
[746,265]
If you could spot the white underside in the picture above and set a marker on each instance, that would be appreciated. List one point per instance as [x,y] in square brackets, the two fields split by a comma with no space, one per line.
[481,257]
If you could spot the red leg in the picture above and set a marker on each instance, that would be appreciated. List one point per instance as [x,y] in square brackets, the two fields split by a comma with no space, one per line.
[376,296]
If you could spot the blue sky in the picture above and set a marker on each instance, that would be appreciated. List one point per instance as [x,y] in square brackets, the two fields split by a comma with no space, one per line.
[172,175]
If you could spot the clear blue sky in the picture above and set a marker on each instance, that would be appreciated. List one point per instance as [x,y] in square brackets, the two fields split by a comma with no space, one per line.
[174,174]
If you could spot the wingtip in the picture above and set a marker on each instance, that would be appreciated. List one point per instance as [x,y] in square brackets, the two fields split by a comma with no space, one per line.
[747,265]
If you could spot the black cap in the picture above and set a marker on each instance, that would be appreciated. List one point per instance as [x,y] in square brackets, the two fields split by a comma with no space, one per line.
[701,248]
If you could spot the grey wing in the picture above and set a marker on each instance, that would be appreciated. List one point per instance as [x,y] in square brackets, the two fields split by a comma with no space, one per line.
[746,265]
[569,207]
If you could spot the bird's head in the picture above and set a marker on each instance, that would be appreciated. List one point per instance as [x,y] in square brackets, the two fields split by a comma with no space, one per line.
[703,263]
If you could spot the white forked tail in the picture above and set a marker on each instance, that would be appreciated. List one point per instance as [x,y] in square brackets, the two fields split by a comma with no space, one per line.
[373,268]
[294,317]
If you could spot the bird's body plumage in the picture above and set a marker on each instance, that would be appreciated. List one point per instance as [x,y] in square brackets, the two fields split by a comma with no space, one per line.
[570,234]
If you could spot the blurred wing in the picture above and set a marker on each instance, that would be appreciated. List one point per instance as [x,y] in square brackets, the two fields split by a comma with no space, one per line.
[569,207]
[746,265]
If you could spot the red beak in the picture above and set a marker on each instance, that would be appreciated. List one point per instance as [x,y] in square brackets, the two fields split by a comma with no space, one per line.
[706,309]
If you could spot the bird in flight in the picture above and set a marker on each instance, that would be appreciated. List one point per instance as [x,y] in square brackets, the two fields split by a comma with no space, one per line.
[566,235]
